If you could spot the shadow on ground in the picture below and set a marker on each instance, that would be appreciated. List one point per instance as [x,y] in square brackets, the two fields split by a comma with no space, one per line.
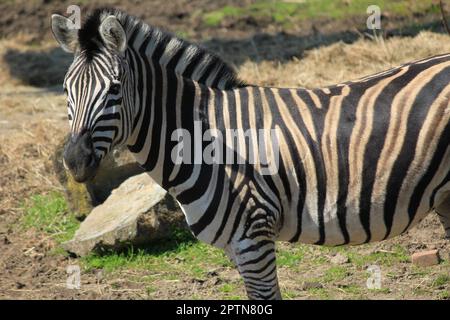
[285,46]
[42,69]
[179,239]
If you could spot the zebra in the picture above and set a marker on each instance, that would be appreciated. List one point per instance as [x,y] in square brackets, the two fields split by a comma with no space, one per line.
[360,161]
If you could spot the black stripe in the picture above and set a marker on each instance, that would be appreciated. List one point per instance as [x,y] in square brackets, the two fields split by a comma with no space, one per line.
[375,144]
[258,288]
[101,139]
[210,212]
[436,190]
[106,117]
[346,123]
[259,258]
[206,72]
[187,122]
[193,63]
[157,106]
[287,98]
[282,167]
[171,112]
[256,247]
[201,185]
[260,270]
[138,70]
[429,174]
[259,278]
[419,110]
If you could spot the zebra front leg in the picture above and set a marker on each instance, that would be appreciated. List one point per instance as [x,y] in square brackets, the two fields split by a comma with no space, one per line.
[443,211]
[256,263]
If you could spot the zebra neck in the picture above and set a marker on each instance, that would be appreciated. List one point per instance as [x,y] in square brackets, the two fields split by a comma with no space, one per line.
[171,108]
[172,81]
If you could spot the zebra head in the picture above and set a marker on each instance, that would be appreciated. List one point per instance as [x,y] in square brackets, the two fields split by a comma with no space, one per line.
[93,85]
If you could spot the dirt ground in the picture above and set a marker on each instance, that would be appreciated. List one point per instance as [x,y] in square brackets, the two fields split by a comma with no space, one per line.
[33,120]
[33,17]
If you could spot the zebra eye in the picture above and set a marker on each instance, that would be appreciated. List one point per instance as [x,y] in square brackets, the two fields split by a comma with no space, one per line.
[115,88]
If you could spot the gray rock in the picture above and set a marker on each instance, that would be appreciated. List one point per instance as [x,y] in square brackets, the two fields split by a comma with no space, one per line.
[137,213]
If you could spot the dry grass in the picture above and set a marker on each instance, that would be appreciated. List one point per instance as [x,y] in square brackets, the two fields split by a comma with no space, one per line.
[341,62]
[25,161]
[32,120]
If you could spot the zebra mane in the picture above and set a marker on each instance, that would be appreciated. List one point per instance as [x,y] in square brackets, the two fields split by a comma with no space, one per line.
[211,70]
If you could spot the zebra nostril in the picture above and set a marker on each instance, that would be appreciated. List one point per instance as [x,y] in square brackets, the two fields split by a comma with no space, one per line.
[83,131]
[86,143]
[87,148]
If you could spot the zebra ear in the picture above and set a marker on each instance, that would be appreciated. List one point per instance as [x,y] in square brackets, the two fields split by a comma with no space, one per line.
[66,36]
[113,34]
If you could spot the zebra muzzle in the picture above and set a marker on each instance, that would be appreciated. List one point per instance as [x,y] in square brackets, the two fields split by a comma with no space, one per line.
[79,157]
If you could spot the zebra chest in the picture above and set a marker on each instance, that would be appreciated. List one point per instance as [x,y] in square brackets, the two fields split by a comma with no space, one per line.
[226,214]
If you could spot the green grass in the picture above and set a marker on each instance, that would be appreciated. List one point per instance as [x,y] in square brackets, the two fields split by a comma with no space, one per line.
[48,213]
[320,293]
[335,273]
[352,289]
[227,288]
[151,289]
[441,280]
[233,297]
[214,18]
[398,255]
[183,34]
[297,254]
[181,255]
[291,257]
[382,290]
[445,295]
[289,294]
[284,12]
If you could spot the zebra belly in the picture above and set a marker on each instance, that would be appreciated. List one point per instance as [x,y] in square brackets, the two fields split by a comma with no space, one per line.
[387,216]
[334,235]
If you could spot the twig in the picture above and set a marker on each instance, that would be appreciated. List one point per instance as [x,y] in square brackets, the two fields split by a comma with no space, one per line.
[444,20]
[28,132]
[125,290]
[386,251]
[29,250]
[25,290]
